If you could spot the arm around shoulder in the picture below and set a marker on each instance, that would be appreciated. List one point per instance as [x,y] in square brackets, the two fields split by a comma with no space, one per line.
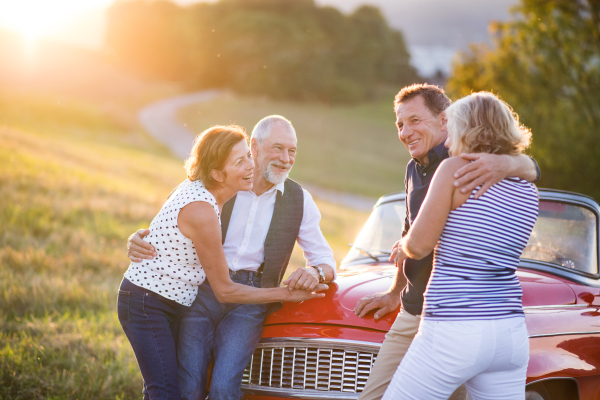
[525,167]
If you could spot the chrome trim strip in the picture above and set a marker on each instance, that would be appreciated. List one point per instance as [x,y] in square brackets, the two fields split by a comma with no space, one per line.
[282,361]
[305,367]
[271,368]
[356,373]
[250,374]
[317,368]
[308,394]
[563,334]
[262,356]
[559,306]
[278,341]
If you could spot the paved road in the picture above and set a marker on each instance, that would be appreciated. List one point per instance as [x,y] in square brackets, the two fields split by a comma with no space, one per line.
[159,119]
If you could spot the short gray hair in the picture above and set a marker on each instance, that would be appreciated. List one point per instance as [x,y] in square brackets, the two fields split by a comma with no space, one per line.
[263,128]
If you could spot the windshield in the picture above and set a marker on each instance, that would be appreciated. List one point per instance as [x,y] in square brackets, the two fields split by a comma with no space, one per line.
[564,235]
[381,231]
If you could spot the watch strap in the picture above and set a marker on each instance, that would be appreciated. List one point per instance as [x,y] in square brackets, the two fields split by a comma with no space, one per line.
[320,272]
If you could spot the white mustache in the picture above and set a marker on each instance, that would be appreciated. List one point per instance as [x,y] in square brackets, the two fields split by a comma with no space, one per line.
[286,165]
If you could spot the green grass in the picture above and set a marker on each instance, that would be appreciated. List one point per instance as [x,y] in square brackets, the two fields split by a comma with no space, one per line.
[74,183]
[346,148]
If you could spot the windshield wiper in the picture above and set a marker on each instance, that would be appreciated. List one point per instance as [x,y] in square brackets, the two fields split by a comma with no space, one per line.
[368,253]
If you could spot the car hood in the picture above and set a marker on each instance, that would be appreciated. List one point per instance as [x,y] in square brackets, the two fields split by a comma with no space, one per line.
[336,308]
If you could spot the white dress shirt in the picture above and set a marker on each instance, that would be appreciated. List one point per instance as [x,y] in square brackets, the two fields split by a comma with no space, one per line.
[249,224]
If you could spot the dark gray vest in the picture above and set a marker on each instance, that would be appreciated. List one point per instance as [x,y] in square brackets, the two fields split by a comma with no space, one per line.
[282,234]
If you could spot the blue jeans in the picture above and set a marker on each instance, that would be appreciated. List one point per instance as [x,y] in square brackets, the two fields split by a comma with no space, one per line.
[227,332]
[151,322]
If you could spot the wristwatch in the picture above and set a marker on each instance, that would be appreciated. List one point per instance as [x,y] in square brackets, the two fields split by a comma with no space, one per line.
[321,273]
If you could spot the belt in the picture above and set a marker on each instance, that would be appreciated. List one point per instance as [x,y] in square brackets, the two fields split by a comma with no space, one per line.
[244,272]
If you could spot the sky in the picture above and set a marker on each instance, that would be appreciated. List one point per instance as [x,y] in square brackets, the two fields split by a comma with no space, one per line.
[433,29]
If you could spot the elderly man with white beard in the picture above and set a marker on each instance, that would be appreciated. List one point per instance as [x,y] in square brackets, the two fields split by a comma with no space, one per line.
[260,228]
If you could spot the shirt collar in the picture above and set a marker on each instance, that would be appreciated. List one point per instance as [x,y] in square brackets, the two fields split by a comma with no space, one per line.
[279,186]
[439,152]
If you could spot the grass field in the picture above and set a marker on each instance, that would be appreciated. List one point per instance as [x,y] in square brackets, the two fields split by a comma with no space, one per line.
[75,181]
[346,148]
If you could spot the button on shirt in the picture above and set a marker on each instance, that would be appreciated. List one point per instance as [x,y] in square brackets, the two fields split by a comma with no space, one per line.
[249,225]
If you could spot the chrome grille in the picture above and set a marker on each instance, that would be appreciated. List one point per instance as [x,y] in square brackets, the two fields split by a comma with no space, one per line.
[294,364]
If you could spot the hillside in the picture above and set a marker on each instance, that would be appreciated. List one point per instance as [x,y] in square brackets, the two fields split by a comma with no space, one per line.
[75,181]
[345,148]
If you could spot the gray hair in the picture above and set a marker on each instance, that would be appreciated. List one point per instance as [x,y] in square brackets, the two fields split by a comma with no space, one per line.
[262,130]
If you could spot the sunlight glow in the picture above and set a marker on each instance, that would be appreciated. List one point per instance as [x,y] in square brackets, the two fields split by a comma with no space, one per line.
[38,18]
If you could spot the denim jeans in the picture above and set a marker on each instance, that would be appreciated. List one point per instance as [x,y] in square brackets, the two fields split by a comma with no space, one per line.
[227,332]
[151,322]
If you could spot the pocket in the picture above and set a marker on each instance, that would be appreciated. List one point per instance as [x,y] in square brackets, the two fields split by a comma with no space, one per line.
[520,345]
[457,345]
[123,307]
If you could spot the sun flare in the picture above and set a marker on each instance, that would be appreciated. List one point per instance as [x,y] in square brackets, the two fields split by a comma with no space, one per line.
[38,18]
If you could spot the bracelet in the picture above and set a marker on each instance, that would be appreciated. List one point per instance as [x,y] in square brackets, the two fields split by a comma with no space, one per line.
[320,273]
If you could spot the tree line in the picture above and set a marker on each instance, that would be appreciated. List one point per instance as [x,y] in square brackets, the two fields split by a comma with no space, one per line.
[545,62]
[284,49]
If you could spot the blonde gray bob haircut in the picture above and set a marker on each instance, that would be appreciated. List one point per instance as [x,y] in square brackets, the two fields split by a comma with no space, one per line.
[482,123]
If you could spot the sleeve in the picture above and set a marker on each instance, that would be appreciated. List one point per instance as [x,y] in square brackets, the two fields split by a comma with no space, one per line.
[538,173]
[310,238]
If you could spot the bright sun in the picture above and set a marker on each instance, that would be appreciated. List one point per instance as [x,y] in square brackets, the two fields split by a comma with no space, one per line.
[36,18]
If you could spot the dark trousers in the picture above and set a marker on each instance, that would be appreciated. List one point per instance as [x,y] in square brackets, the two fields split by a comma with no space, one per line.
[227,332]
[151,323]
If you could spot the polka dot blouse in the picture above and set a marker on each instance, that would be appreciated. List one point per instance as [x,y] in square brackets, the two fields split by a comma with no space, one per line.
[175,273]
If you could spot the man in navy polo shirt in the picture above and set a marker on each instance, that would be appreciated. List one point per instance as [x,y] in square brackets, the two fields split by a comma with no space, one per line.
[421,121]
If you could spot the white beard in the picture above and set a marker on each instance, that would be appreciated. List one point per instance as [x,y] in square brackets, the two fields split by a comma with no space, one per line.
[276,177]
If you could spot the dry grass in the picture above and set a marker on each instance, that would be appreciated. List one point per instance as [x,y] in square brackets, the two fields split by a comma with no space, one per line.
[75,181]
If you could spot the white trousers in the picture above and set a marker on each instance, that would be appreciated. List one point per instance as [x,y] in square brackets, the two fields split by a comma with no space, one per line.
[489,356]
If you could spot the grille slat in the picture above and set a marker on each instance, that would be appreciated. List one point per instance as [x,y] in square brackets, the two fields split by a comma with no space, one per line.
[297,366]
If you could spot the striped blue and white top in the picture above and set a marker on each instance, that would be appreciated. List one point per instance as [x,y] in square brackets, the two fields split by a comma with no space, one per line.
[477,255]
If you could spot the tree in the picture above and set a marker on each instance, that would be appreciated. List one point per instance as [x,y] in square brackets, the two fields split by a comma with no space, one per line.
[283,49]
[545,62]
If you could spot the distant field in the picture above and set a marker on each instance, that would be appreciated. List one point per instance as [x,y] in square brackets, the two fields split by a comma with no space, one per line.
[74,183]
[346,148]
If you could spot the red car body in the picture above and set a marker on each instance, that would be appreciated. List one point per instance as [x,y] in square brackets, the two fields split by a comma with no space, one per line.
[319,349]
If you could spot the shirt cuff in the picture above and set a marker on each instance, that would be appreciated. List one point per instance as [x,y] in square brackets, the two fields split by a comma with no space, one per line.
[326,261]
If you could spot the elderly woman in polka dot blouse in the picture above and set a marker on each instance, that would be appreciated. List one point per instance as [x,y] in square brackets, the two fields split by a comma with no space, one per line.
[186,233]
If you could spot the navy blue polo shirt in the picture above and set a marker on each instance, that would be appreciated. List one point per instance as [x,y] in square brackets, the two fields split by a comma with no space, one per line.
[416,183]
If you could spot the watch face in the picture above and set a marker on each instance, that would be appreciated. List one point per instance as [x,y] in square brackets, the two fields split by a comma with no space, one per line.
[321,274]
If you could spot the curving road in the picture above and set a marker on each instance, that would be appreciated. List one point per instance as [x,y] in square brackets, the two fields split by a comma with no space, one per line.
[159,120]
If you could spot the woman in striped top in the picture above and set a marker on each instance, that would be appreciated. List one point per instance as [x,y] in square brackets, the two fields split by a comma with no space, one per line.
[473,329]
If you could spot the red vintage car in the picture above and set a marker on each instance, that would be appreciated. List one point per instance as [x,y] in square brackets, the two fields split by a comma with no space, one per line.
[320,350]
